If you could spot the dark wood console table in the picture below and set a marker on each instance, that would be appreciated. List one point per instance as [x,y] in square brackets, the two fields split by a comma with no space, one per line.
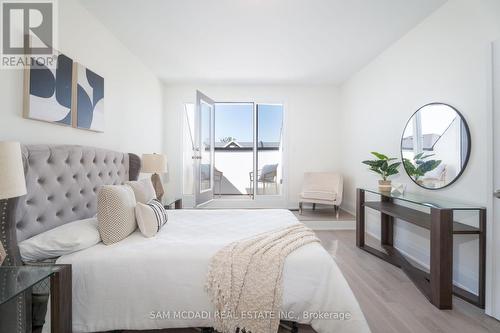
[437,285]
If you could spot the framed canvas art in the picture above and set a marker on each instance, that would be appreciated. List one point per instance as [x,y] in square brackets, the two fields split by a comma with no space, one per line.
[48,91]
[89,100]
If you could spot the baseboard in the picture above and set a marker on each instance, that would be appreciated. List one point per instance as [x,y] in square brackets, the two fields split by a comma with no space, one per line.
[348,208]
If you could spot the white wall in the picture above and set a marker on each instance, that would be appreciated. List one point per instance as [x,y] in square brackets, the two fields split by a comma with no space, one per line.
[446,58]
[311,127]
[236,167]
[133,95]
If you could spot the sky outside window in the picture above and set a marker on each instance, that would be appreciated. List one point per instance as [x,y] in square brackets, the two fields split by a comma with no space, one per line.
[270,121]
[235,120]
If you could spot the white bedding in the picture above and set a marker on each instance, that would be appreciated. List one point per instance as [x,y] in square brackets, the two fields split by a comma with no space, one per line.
[125,285]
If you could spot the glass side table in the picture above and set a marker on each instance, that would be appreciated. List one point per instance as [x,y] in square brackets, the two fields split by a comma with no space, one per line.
[16,280]
[172,203]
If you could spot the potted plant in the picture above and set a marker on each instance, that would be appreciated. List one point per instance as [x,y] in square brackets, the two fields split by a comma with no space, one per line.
[420,166]
[385,168]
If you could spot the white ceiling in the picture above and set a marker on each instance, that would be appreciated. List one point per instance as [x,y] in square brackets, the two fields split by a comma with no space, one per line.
[258,41]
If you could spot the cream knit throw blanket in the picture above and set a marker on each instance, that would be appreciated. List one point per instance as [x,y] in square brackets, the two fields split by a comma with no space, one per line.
[245,279]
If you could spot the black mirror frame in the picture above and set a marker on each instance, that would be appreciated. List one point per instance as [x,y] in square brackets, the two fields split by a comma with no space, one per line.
[467,131]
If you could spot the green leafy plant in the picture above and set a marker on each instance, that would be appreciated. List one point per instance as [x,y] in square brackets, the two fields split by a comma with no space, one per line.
[383,166]
[420,165]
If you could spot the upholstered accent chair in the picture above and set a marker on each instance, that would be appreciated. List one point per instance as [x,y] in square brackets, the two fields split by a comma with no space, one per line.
[322,188]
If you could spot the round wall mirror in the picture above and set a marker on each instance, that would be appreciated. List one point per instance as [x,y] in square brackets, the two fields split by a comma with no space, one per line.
[435,146]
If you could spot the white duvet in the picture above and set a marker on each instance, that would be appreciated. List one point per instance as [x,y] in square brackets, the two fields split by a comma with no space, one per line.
[151,283]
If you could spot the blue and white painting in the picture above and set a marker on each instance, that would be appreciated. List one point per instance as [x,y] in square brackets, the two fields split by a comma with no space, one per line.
[49,91]
[89,100]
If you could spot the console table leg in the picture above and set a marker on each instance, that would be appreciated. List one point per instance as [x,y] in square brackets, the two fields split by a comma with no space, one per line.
[441,283]
[387,226]
[482,258]
[360,217]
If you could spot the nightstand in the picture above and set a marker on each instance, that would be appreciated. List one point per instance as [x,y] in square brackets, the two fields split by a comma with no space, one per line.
[16,283]
[172,203]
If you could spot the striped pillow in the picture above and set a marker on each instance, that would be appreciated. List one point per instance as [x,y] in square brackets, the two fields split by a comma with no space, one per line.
[150,217]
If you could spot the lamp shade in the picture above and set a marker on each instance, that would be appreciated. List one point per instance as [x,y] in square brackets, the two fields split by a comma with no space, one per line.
[12,182]
[154,163]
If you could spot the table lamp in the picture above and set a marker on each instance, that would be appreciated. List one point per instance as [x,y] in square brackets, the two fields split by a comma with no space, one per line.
[12,182]
[155,164]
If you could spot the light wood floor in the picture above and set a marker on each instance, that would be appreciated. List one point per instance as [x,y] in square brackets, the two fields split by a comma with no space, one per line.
[389,300]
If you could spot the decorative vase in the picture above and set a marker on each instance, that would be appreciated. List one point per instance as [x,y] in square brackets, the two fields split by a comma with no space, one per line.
[384,185]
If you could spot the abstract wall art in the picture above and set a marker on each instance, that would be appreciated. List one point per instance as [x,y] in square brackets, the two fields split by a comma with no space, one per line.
[88,103]
[48,91]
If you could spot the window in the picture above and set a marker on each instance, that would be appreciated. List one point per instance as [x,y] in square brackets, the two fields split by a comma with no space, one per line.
[248,148]
[269,148]
[233,155]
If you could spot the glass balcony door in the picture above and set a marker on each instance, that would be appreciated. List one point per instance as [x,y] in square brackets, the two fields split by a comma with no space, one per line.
[203,152]
[248,150]
[233,151]
[269,149]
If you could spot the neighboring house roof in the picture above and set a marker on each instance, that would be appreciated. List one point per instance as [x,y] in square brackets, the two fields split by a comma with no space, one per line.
[429,140]
[233,144]
[246,145]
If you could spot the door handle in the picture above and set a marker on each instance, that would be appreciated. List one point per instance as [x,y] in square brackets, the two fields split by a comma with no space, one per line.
[497,194]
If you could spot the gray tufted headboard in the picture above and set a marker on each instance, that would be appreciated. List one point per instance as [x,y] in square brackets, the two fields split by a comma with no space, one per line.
[62,183]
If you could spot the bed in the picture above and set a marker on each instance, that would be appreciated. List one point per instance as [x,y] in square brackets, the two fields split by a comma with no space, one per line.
[142,283]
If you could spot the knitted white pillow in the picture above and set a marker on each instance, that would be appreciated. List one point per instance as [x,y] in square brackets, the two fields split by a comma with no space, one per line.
[115,212]
[143,190]
[150,217]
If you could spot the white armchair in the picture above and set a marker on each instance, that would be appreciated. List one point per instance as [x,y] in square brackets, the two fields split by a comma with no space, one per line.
[322,188]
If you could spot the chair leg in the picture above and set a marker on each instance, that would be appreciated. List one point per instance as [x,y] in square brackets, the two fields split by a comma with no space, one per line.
[300,208]
[314,206]
[337,211]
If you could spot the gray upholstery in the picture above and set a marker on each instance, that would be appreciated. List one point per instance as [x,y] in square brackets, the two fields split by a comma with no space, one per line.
[62,184]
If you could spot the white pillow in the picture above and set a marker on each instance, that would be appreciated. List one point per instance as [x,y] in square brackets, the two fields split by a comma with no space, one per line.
[143,190]
[150,217]
[65,239]
[115,212]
